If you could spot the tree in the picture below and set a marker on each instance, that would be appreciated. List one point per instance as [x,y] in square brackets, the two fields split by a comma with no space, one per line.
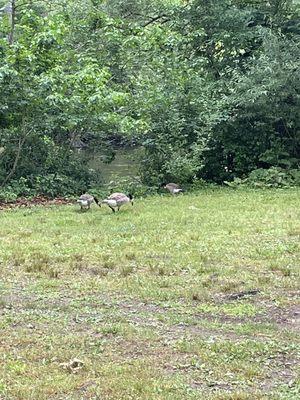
[195,83]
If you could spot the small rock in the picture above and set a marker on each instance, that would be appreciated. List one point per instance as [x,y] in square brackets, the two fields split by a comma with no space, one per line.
[73,366]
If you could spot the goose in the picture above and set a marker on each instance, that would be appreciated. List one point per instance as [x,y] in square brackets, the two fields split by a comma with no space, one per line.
[85,201]
[173,188]
[117,200]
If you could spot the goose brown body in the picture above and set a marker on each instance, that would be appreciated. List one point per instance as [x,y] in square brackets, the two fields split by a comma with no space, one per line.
[173,188]
[85,201]
[117,200]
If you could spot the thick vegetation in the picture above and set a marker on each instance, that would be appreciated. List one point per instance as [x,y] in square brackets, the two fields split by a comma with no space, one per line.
[209,89]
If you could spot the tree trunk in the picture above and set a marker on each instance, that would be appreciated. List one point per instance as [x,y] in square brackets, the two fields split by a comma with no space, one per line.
[12,22]
[12,171]
[18,154]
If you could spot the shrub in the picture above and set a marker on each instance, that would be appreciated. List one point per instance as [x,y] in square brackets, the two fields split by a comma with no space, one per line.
[16,188]
[131,185]
[267,178]
[50,185]
[57,185]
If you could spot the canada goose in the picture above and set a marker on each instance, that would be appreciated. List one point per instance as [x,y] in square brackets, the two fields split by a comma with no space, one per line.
[117,200]
[85,201]
[173,188]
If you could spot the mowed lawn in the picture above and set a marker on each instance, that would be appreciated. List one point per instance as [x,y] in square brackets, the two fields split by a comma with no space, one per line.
[193,297]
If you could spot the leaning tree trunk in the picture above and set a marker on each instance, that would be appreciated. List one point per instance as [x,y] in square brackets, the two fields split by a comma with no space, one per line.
[21,143]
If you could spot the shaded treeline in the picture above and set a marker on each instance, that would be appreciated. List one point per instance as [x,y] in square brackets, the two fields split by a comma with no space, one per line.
[210,89]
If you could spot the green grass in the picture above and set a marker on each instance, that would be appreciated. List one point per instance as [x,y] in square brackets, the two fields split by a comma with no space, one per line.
[142,297]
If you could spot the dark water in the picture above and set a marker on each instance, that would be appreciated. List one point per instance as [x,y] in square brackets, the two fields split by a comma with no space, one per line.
[125,164]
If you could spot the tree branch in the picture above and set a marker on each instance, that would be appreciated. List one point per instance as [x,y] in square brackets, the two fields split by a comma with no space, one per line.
[154,19]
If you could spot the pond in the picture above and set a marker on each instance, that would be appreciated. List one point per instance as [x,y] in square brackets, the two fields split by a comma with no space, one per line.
[125,164]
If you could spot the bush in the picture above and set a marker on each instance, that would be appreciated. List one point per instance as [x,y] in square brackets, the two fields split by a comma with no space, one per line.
[15,189]
[51,185]
[181,168]
[57,185]
[267,178]
[131,185]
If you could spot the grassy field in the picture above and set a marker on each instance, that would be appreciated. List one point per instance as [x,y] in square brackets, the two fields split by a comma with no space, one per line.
[153,300]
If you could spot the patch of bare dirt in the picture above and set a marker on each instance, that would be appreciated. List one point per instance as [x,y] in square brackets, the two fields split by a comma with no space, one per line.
[286,317]
[150,315]
[35,201]
[281,370]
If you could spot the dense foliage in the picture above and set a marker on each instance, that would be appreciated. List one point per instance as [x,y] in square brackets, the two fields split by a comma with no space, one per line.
[209,89]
